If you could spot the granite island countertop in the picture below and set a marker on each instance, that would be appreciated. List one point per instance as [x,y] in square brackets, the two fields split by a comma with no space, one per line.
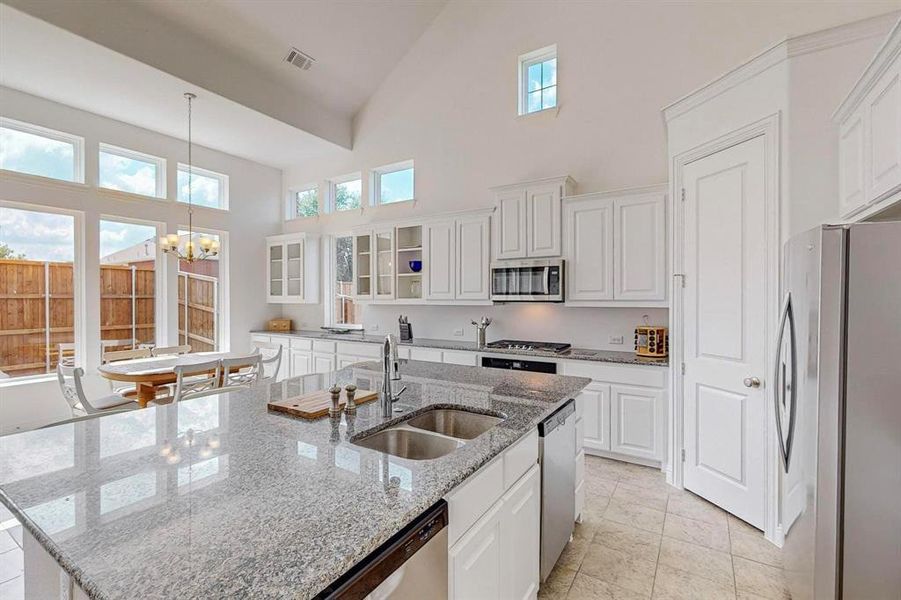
[220,497]
[585,354]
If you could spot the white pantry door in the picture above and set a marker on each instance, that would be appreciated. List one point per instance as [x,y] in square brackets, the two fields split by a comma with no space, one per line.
[724,256]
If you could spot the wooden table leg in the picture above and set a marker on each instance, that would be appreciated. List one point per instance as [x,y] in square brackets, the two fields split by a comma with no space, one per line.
[146,393]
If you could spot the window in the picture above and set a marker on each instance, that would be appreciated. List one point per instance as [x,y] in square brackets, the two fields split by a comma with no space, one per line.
[345,310]
[393,183]
[200,298]
[346,192]
[40,151]
[38,288]
[538,80]
[127,285]
[208,188]
[130,171]
[304,202]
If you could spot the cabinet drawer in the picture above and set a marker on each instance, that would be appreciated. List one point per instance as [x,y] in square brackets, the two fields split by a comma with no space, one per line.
[426,354]
[630,375]
[469,359]
[256,337]
[323,346]
[469,502]
[281,340]
[301,344]
[520,457]
[368,350]
[403,353]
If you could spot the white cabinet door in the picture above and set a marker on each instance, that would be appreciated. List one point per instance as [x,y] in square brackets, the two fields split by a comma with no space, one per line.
[473,255]
[639,248]
[852,194]
[362,249]
[294,276]
[475,560]
[520,537]
[323,362]
[470,359]
[301,362]
[589,249]
[383,263]
[636,419]
[511,224]
[345,360]
[596,417]
[426,354]
[883,107]
[440,260]
[275,269]
[543,221]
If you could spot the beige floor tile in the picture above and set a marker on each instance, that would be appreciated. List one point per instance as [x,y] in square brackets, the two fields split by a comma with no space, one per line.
[645,477]
[573,553]
[755,547]
[736,524]
[586,529]
[694,507]
[557,584]
[619,568]
[594,510]
[675,584]
[635,515]
[710,535]
[650,497]
[598,486]
[634,542]
[762,580]
[700,561]
[585,587]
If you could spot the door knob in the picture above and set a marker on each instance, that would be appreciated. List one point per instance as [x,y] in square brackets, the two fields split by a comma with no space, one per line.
[752,382]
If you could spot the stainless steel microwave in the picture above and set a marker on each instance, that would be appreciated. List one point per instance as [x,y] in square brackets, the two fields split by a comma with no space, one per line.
[527,281]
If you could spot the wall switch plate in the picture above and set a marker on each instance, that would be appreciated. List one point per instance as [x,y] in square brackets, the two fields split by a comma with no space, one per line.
[458,332]
[616,339]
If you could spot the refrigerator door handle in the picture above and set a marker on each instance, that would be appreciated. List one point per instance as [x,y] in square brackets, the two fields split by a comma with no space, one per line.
[787,319]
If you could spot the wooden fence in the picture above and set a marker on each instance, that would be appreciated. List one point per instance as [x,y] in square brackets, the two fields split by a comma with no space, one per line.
[33,294]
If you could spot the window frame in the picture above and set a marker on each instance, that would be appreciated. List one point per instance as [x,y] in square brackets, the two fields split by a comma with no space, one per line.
[524,62]
[334,182]
[292,201]
[329,269]
[221,177]
[158,162]
[52,134]
[376,182]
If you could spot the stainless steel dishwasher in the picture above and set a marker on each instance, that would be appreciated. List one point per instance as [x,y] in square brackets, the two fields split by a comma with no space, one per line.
[557,451]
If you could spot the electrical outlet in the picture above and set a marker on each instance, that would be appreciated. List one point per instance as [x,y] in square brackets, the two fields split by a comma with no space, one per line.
[458,332]
[375,327]
[616,339]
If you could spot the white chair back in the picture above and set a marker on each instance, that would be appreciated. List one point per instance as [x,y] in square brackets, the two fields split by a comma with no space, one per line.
[198,379]
[71,383]
[170,350]
[241,371]
[66,353]
[272,358]
[117,355]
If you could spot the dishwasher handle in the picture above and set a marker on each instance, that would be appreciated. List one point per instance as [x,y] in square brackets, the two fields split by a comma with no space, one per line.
[557,418]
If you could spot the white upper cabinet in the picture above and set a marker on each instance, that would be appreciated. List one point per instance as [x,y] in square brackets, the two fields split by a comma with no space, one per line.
[292,269]
[615,246]
[473,255]
[383,261]
[439,253]
[528,219]
[639,247]
[869,140]
[362,249]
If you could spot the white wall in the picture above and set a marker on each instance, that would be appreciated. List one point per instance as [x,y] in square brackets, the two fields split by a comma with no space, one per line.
[254,201]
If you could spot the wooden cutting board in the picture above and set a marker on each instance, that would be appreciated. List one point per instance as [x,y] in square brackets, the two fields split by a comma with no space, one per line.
[315,405]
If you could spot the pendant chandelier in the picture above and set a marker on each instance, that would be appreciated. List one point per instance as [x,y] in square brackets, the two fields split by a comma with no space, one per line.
[171,244]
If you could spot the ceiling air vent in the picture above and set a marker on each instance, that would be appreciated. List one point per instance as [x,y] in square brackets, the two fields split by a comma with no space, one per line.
[299,59]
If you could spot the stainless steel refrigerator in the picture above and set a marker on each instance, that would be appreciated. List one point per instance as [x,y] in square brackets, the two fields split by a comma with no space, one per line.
[837,402]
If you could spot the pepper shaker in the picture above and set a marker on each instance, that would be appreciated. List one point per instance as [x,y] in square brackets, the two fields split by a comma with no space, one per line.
[350,407]
[335,409]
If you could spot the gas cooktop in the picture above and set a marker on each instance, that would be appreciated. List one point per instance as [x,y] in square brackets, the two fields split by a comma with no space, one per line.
[525,345]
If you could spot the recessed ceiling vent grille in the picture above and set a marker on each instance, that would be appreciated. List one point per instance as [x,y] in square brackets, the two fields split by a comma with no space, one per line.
[299,59]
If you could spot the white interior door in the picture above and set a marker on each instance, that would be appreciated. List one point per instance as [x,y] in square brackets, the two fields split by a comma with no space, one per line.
[724,320]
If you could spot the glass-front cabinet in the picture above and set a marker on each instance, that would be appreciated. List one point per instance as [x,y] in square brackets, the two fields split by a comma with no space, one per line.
[409,262]
[276,270]
[384,264]
[290,261]
[363,265]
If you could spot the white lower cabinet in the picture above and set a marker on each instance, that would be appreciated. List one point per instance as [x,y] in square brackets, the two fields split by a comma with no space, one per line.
[636,424]
[323,362]
[426,354]
[596,419]
[301,362]
[520,538]
[474,568]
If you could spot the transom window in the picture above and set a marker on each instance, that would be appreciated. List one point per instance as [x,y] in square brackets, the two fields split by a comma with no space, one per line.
[36,150]
[538,80]
[346,192]
[393,183]
[208,188]
[304,202]
[130,171]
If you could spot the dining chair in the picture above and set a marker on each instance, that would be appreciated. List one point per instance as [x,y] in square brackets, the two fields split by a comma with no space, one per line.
[241,371]
[71,382]
[272,358]
[65,353]
[197,379]
[171,350]
[117,355]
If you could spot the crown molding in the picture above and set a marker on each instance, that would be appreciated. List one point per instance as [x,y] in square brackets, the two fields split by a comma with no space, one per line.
[779,52]
[882,61]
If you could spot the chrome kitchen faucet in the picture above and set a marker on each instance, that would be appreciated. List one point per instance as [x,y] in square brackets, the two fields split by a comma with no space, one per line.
[390,372]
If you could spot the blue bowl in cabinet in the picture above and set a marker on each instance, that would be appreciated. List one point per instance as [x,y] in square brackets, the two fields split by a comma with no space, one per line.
[416,266]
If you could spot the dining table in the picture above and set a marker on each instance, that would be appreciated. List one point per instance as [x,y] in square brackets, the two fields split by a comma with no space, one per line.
[150,374]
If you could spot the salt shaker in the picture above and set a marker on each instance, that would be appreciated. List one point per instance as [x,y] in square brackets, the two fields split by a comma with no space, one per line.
[350,407]
[335,409]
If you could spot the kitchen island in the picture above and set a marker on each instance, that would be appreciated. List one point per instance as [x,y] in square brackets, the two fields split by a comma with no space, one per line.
[220,497]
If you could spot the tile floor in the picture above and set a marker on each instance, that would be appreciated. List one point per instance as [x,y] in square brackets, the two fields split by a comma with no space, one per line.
[12,584]
[641,538]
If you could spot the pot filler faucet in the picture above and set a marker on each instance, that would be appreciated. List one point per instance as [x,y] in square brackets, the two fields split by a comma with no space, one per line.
[390,372]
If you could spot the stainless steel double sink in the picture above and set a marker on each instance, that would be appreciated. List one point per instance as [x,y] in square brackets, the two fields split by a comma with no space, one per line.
[431,434]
